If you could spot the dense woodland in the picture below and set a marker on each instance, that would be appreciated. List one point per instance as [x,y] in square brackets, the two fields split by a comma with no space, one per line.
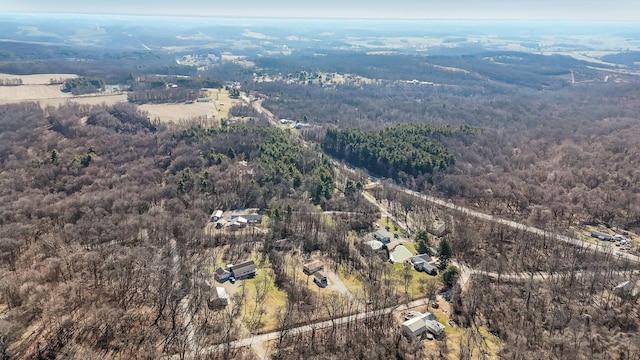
[93,198]
[394,152]
[566,157]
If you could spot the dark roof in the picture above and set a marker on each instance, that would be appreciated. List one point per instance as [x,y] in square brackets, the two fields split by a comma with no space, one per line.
[243,267]
[319,276]
[314,264]
[428,267]
[382,234]
[221,271]
[420,258]
[253,217]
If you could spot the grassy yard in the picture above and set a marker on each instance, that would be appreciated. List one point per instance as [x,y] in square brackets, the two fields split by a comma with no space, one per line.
[262,294]
[351,282]
[413,288]
[411,246]
[393,227]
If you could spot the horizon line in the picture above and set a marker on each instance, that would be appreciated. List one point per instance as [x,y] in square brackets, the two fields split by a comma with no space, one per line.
[338,18]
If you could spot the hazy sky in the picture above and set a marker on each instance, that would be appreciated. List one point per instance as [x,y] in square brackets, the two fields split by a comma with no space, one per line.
[612,10]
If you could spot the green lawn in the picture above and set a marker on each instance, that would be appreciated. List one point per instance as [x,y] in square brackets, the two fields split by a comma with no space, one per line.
[393,227]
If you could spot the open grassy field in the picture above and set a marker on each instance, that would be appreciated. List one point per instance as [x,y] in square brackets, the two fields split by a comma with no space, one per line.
[10,94]
[38,79]
[180,111]
[51,95]
[413,288]
[221,102]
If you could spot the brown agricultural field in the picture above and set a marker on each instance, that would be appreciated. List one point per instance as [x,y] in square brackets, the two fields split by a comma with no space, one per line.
[175,112]
[37,79]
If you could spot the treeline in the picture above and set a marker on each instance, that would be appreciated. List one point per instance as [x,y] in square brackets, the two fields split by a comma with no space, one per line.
[10,82]
[408,148]
[556,158]
[84,85]
[168,89]
[162,95]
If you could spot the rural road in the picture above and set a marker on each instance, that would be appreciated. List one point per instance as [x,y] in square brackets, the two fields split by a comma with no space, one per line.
[540,275]
[250,341]
[516,225]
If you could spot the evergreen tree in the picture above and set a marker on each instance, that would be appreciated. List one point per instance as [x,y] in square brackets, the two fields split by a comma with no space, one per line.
[444,252]
[450,276]
[423,244]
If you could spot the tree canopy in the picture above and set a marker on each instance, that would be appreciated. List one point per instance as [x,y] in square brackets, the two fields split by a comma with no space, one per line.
[410,148]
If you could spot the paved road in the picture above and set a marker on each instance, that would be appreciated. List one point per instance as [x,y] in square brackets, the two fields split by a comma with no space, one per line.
[542,275]
[250,341]
[480,215]
[516,225]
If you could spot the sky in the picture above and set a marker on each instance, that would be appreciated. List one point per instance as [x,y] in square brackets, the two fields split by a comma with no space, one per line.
[580,10]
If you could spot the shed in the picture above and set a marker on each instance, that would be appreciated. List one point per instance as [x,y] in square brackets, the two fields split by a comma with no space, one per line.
[320,279]
[434,327]
[414,327]
[244,270]
[438,229]
[216,215]
[313,266]
[253,218]
[382,236]
[218,298]
[221,275]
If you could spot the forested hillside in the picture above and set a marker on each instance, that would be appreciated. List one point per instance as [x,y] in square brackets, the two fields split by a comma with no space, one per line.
[395,151]
[563,157]
[93,197]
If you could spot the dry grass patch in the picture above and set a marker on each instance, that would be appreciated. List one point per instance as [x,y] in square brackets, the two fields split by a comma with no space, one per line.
[38,79]
[263,301]
[222,102]
[180,111]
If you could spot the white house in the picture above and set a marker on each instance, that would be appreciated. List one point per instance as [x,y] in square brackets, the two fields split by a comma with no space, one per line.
[418,325]
[414,327]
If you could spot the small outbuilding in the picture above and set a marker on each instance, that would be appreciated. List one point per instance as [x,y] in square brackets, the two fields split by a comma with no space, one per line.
[382,236]
[434,327]
[414,327]
[320,279]
[217,215]
[218,298]
[313,266]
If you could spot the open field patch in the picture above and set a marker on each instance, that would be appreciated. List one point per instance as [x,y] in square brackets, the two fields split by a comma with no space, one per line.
[181,111]
[11,94]
[38,79]
[52,95]
[222,102]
